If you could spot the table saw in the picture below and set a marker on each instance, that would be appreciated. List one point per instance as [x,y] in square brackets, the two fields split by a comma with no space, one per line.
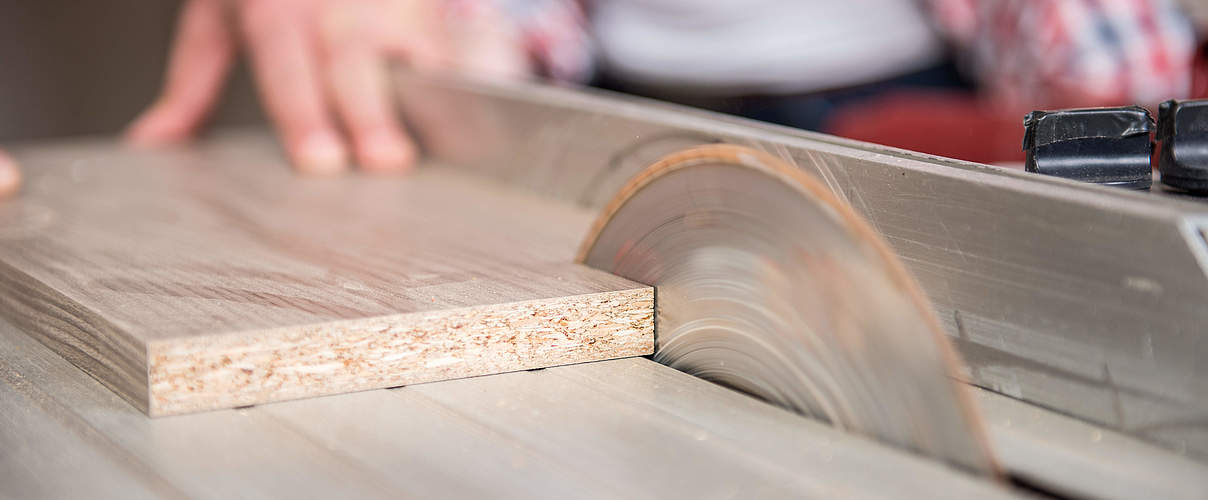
[832,319]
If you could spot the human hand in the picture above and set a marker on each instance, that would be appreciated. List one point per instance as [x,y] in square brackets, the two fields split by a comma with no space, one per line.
[313,57]
[10,175]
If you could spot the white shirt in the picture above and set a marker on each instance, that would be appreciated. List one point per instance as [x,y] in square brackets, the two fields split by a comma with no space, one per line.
[761,46]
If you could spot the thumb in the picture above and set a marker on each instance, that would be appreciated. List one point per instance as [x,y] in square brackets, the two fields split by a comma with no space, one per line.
[10,175]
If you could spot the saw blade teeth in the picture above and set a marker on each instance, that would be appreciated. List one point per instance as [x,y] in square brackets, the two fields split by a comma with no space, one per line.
[767,283]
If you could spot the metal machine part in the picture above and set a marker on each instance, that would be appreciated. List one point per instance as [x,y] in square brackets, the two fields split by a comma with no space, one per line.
[769,284]
[1183,135]
[1084,299]
[1107,146]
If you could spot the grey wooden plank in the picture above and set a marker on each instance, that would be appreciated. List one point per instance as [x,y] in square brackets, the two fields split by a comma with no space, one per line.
[434,451]
[642,423]
[540,434]
[222,454]
[41,456]
[626,428]
[1075,458]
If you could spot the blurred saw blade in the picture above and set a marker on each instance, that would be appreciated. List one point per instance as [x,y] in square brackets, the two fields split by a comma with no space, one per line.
[768,283]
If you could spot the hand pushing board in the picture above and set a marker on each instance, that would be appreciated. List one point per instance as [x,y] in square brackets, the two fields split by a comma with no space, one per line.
[214,277]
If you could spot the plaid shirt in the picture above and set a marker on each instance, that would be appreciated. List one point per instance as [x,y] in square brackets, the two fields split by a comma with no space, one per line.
[1065,53]
[554,32]
[1024,53]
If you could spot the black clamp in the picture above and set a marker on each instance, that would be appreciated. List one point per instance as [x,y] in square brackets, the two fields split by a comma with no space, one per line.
[1108,146]
[1183,145]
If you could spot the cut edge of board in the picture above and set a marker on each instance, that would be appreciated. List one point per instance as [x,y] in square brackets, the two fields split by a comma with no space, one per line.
[247,368]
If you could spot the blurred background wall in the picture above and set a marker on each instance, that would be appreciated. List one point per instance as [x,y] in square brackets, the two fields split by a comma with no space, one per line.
[70,67]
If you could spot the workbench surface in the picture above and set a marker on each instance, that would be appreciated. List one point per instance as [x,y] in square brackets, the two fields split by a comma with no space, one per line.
[627,428]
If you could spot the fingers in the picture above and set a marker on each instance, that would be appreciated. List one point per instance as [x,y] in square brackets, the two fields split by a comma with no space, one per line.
[10,175]
[288,80]
[293,81]
[359,87]
[201,58]
[357,79]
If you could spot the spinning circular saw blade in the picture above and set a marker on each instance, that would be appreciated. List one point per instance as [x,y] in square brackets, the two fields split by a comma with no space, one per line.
[767,283]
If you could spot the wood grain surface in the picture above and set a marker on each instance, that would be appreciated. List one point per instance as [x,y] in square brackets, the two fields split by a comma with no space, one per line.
[627,428]
[214,277]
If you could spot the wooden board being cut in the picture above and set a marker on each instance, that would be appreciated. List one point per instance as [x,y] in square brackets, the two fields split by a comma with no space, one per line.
[214,277]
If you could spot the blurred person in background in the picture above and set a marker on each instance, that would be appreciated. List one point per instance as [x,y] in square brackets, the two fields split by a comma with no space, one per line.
[948,77]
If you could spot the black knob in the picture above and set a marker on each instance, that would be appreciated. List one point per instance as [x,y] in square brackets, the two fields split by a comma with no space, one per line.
[1183,142]
[1108,146]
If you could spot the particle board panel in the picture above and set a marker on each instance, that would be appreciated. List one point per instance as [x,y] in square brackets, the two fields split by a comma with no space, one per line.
[213,277]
